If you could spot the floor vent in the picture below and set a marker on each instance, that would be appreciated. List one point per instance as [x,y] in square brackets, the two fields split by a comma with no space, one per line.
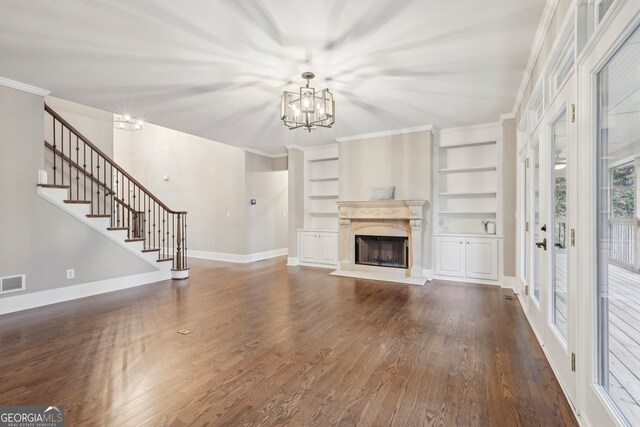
[12,284]
[509,297]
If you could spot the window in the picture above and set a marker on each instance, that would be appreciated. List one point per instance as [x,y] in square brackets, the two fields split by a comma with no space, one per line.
[623,185]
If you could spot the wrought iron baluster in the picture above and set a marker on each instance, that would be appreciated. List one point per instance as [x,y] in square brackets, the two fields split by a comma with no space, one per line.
[54,152]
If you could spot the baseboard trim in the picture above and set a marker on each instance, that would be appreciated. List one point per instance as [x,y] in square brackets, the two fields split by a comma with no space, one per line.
[428,274]
[467,280]
[293,261]
[238,258]
[27,301]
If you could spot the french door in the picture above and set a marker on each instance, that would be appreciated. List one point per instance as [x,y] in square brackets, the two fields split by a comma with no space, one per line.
[560,213]
[609,232]
[551,176]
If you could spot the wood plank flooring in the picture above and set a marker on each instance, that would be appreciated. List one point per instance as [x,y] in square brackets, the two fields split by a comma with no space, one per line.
[277,345]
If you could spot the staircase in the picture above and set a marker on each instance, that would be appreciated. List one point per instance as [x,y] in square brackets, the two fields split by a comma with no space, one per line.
[89,185]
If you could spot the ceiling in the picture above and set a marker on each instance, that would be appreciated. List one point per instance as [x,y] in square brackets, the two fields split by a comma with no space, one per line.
[217,69]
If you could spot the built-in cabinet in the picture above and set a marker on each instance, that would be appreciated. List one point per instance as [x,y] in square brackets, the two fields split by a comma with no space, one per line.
[318,247]
[318,240]
[467,257]
[467,187]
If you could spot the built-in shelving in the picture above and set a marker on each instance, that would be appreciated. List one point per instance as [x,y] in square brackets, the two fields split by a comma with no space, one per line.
[468,182]
[332,178]
[467,188]
[321,188]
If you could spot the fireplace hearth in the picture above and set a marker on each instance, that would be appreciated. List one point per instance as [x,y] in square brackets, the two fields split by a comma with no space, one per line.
[382,251]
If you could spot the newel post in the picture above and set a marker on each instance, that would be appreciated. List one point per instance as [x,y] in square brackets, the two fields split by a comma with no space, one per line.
[179,243]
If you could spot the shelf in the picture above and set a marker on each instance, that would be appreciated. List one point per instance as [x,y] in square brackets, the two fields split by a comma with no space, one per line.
[468,144]
[470,194]
[327,159]
[324,196]
[466,213]
[333,178]
[467,170]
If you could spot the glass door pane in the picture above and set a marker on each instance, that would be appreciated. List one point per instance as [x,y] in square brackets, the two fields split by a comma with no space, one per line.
[618,265]
[559,311]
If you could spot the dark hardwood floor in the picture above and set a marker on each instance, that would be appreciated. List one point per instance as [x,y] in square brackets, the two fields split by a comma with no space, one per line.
[278,345]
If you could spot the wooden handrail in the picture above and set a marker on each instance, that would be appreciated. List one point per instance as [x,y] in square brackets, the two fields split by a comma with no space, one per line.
[111,192]
[107,159]
[91,177]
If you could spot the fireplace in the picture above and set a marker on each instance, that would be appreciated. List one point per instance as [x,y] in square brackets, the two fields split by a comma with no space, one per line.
[382,251]
[381,240]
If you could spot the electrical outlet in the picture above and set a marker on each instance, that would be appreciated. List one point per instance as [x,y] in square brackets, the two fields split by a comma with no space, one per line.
[71,274]
[284,213]
[228,214]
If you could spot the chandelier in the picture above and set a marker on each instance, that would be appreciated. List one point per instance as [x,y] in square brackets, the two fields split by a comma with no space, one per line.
[308,108]
[126,122]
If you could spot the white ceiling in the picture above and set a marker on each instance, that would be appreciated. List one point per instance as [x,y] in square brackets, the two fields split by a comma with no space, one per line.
[216,69]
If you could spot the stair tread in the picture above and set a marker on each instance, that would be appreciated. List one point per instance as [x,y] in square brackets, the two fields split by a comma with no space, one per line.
[135,240]
[117,228]
[78,202]
[164,259]
[151,250]
[53,186]
[99,216]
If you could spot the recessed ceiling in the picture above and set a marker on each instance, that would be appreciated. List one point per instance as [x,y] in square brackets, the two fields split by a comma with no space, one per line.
[217,69]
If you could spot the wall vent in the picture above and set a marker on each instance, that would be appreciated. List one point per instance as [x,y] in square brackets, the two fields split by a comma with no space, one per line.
[12,284]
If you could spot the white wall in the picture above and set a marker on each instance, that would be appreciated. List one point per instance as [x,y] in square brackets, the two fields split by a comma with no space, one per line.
[208,180]
[266,221]
[296,198]
[38,239]
[205,178]
[403,161]
[96,125]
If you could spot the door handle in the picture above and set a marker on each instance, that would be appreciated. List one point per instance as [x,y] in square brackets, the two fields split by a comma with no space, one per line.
[544,227]
[542,244]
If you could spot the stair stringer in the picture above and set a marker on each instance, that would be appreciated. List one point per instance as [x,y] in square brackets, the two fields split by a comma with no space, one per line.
[57,196]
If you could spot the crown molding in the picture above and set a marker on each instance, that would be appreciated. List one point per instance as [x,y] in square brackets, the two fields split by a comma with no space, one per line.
[426,128]
[262,153]
[541,33]
[313,147]
[471,128]
[295,147]
[23,87]
[506,116]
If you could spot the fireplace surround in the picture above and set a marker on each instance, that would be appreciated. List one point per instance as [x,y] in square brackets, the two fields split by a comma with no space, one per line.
[401,219]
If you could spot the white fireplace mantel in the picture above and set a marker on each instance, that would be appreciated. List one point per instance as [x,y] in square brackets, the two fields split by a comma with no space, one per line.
[385,218]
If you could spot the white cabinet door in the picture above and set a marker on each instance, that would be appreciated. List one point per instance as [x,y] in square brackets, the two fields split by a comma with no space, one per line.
[308,246]
[482,258]
[450,256]
[327,248]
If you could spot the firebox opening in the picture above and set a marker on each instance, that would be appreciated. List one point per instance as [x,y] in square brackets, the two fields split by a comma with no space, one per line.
[382,251]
